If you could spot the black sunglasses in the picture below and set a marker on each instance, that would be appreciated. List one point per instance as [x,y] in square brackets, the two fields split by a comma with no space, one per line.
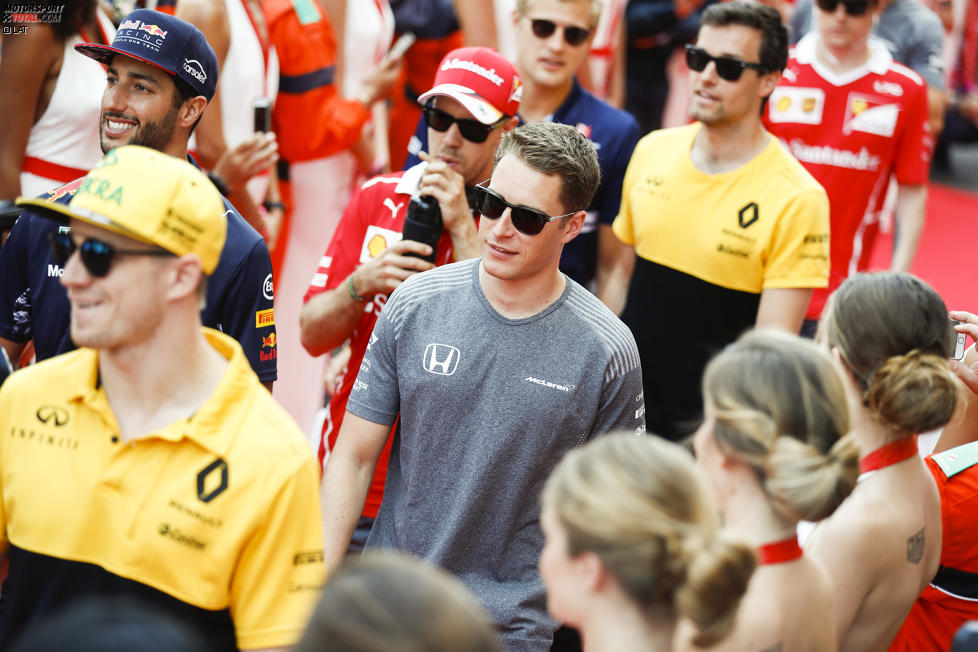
[526,220]
[853,7]
[95,254]
[472,130]
[727,68]
[573,35]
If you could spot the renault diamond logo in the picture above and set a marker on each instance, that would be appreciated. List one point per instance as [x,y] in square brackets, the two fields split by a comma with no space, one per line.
[441,359]
[56,416]
[208,487]
[747,215]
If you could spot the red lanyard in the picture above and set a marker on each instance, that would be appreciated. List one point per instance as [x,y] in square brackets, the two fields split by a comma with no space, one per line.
[890,454]
[779,552]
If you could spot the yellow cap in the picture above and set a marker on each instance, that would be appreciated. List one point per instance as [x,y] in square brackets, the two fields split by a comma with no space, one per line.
[146,195]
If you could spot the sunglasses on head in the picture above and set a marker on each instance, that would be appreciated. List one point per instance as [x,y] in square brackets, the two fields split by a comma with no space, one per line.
[853,7]
[573,35]
[526,220]
[96,255]
[472,130]
[727,68]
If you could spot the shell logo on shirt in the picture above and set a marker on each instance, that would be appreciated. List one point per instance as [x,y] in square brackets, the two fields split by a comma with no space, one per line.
[797,104]
[869,115]
[376,239]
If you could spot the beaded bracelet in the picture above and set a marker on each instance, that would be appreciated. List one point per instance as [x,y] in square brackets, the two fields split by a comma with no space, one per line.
[353,293]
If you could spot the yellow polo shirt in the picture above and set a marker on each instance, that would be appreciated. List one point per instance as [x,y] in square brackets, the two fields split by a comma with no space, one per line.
[214,518]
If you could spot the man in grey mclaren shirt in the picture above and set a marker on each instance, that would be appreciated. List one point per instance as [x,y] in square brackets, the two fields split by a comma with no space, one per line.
[497,367]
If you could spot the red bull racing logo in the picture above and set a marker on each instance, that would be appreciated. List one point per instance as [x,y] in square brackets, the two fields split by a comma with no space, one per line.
[66,190]
[268,342]
[145,34]
[153,29]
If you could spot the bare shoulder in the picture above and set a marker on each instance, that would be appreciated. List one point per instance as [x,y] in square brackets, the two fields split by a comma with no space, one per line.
[40,44]
[863,513]
[848,540]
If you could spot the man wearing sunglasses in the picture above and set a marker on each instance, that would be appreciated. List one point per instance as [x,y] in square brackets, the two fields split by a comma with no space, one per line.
[721,228]
[154,98]
[149,463]
[552,39]
[494,368]
[911,31]
[472,103]
[854,117]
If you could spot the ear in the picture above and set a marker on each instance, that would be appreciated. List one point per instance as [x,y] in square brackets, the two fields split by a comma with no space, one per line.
[769,81]
[516,15]
[510,124]
[190,111]
[186,275]
[573,226]
[593,575]
[728,461]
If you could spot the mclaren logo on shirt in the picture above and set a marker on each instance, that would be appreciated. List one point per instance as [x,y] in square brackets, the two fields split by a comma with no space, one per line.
[212,480]
[441,359]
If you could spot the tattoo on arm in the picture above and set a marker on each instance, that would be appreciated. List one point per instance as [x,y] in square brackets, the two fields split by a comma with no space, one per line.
[915,547]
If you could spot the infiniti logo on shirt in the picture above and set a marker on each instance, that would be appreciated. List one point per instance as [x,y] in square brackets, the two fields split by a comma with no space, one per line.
[441,359]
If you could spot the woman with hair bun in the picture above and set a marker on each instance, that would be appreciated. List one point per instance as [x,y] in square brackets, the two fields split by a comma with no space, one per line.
[883,545]
[633,545]
[775,447]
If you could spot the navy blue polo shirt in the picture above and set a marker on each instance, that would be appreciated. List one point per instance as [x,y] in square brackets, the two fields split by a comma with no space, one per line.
[239,292]
[614,134]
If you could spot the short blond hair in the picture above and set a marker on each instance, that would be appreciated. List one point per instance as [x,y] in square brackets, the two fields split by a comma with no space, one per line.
[556,149]
[523,6]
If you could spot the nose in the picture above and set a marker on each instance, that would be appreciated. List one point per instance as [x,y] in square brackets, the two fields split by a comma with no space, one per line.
[709,73]
[453,137]
[556,40]
[503,227]
[112,99]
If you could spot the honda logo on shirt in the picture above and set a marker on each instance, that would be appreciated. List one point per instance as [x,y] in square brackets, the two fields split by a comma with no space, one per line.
[441,359]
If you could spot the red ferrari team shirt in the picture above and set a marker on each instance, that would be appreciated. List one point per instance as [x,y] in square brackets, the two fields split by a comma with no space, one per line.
[852,132]
[372,221]
[951,598]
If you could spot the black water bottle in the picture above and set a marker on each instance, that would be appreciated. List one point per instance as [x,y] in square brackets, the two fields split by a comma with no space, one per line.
[423,223]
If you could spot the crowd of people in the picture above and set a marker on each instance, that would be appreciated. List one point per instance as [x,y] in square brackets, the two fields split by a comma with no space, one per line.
[405,325]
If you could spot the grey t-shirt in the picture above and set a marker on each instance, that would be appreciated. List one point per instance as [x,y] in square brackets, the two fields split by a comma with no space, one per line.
[913,34]
[488,405]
